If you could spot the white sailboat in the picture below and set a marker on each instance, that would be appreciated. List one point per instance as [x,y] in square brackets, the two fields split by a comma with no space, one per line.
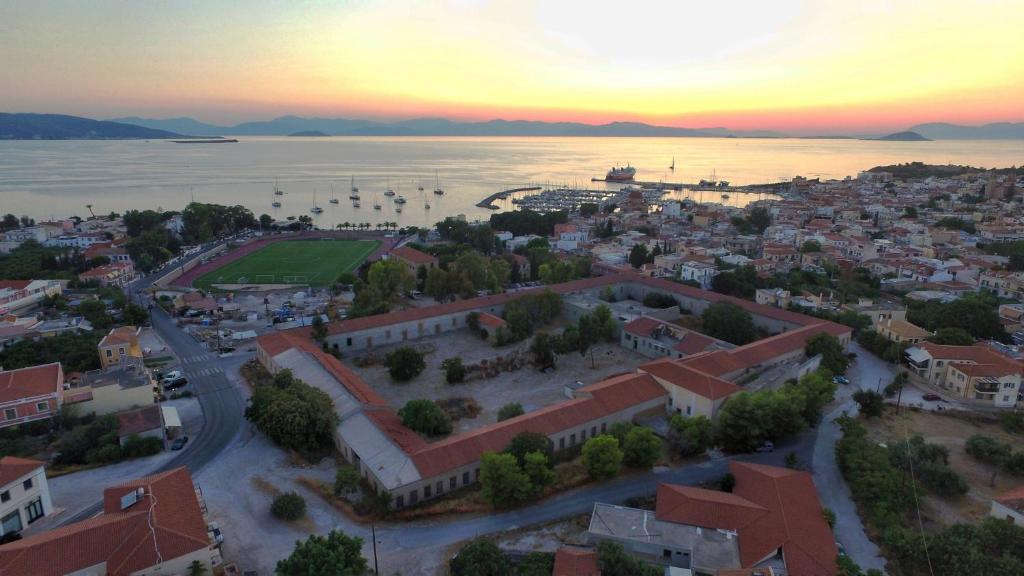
[333,199]
[277,191]
[437,185]
[376,205]
[315,209]
[387,188]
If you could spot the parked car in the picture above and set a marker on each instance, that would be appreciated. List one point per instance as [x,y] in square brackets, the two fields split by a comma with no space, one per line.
[176,383]
[932,397]
[841,380]
[215,534]
[179,443]
[768,446]
[172,375]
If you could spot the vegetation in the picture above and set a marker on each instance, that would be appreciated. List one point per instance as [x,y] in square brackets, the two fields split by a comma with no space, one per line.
[543,350]
[293,414]
[871,403]
[289,506]
[833,357]
[525,222]
[96,442]
[930,464]
[526,442]
[755,222]
[594,328]
[602,456]
[997,454]
[504,482]
[335,554]
[1013,250]
[659,300]
[425,417]
[510,410]
[954,223]
[467,274]
[481,557]
[748,419]
[404,363]
[313,262]
[346,480]
[727,321]
[523,315]
[810,246]
[454,370]
[690,436]
[975,312]
[951,337]
[32,261]
[75,352]
[614,561]
[641,448]
[204,222]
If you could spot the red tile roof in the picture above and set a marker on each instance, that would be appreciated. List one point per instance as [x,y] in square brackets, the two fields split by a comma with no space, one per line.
[120,335]
[679,373]
[123,539]
[412,255]
[14,284]
[770,508]
[12,468]
[575,562]
[490,320]
[139,420]
[30,382]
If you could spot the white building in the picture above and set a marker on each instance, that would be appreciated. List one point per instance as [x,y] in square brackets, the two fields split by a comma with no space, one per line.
[1009,506]
[24,494]
[699,272]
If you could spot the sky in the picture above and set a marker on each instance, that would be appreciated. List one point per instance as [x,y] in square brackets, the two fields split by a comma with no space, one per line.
[802,67]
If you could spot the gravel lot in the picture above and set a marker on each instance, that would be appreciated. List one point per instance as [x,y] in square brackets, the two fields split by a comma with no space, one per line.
[527,386]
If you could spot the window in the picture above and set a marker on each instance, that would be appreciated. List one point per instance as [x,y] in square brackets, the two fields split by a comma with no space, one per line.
[109,352]
[12,522]
[465,478]
[561,443]
[476,474]
[583,435]
[593,430]
[10,414]
[348,342]
[5,496]
[572,439]
[35,510]
[27,484]
[413,497]
[689,410]
[452,484]
[42,407]
[440,487]
[121,350]
[400,501]
[604,426]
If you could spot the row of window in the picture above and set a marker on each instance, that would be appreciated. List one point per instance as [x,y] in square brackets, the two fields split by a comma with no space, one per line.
[12,413]
[12,522]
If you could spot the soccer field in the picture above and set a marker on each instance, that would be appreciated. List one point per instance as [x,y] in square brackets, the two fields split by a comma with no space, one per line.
[312,262]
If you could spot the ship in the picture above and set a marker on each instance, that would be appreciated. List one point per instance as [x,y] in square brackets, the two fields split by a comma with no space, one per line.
[621,174]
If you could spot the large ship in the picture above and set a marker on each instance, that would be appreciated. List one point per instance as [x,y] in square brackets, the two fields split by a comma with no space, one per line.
[621,174]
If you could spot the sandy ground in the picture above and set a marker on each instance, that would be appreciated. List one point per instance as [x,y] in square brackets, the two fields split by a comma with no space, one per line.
[951,432]
[547,538]
[527,386]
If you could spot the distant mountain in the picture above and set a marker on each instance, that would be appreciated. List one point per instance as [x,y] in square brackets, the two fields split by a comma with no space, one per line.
[61,127]
[995,131]
[286,125]
[308,133]
[907,136]
[725,132]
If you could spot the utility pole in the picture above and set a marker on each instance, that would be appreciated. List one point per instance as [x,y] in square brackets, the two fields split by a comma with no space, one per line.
[373,534]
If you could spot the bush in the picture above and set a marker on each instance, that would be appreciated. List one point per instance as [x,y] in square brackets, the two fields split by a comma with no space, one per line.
[602,456]
[289,506]
[871,403]
[833,358]
[690,436]
[293,414]
[137,447]
[346,480]
[659,300]
[510,410]
[335,553]
[404,363]
[454,371]
[481,557]
[425,417]
[502,481]
[614,561]
[526,442]
[641,448]
[727,321]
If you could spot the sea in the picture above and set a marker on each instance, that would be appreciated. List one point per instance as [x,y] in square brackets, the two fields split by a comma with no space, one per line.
[57,179]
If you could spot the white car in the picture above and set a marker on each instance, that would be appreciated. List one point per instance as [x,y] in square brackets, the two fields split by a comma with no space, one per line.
[172,375]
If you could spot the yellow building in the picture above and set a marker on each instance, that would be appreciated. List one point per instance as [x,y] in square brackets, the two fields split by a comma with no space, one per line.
[901,331]
[120,342]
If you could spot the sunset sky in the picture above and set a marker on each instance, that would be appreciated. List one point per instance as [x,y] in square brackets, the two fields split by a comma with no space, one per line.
[815,66]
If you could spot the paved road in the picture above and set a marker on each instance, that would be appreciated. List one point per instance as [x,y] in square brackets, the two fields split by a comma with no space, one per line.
[220,401]
[865,373]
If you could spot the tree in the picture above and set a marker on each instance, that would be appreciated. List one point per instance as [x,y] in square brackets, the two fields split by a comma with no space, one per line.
[289,506]
[526,442]
[266,221]
[614,561]
[293,414]
[319,331]
[833,357]
[197,568]
[690,436]
[951,336]
[536,564]
[346,480]
[404,363]
[538,469]
[391,278]
[502,482]
[543,350]
[425,417]
[481,557]
[727,321]
[454,370]
[642,447]
[336,554]
[638,255]
[871,403]
[990,451]
[810,246]
[510,410]
[602,456]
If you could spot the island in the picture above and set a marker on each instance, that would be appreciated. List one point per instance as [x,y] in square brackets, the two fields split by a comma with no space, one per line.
[309,133]
[907,136]
[62,127]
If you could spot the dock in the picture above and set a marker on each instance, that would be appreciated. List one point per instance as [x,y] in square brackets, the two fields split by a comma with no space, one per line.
[489,201]
[697,187]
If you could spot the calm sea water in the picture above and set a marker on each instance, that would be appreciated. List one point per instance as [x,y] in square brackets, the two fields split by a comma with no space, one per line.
[58,178]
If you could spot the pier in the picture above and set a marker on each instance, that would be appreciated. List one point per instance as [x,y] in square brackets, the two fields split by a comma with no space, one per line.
[489,201]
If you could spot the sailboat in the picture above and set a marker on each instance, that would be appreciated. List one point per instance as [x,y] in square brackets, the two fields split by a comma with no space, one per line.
[275,203]
[315,209]
[333,199]
[277,191]
[673,166]
[437,185]
[376,205]
[355,189]
[400,200]
[388,191]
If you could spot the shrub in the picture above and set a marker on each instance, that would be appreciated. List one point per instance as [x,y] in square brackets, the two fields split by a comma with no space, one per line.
[404,363]
[659,300]
[642,447]
[293,414]
[137,447]
[727,321]
[526,442]
[602,456]
[510,410]
[454,370]
[871,403]
[346,480]
[690,436]
[335,553]
[480,557]
[502,480]
[425,417]
[289,506]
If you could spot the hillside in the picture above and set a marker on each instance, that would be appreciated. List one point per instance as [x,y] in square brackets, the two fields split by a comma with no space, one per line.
[994,131]
[308,133]
[61,127]
[907,136]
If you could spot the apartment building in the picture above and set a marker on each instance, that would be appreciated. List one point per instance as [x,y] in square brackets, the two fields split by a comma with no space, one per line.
[119,344]
[24,494]
[977,372]
[30,394]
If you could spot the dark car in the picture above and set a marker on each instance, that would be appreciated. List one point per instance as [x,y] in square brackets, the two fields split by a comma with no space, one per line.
[179,443]
[932,397]
[176,383]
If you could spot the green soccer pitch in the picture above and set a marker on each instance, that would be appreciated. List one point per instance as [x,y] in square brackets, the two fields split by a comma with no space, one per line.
[312,262]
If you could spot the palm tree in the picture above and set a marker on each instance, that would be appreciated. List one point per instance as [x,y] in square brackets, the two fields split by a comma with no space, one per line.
[345,225]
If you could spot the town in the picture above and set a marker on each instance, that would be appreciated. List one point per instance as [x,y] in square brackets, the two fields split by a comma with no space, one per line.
[825,380]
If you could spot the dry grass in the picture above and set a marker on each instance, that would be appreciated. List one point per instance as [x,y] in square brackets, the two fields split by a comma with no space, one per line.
[265,486]
[326,491]
[952,432]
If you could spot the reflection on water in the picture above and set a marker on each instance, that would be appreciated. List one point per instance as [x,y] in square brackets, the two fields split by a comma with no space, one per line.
[58,178]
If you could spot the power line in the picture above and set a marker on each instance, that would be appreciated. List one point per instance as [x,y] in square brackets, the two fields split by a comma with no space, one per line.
[917,504]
